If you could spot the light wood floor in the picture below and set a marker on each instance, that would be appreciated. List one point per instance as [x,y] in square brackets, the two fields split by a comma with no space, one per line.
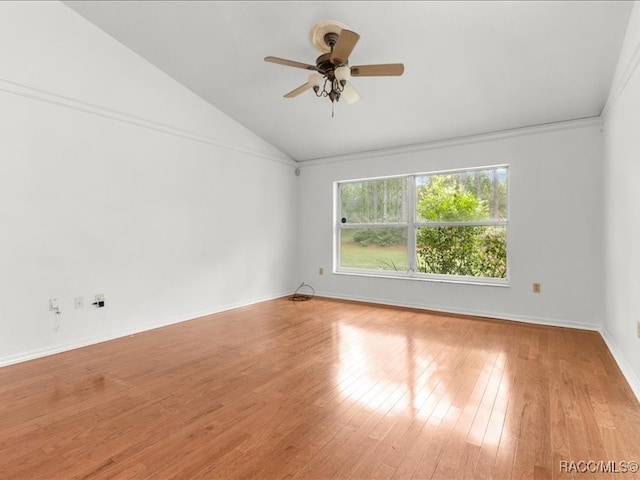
[321,390]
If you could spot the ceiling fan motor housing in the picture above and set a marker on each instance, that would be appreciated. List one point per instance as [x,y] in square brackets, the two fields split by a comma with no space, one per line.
[325,66]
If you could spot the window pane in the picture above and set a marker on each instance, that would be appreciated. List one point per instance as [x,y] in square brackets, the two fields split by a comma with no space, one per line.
[374,201]
[474,195]
[477,251]
[374,248]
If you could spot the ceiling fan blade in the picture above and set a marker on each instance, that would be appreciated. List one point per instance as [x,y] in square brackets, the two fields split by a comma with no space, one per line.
[299,90]
[290,63]
[383,70]
[343,47]
[349,93]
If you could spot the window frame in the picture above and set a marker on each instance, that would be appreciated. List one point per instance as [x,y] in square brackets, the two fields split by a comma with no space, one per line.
[412,224]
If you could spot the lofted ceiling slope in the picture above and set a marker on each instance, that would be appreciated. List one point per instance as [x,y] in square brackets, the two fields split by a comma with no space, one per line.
[470,67]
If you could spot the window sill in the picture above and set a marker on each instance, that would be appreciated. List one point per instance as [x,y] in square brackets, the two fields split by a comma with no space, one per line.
[485,282]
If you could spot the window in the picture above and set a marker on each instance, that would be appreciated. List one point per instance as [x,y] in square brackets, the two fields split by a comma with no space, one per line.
[374,227]
[445,225]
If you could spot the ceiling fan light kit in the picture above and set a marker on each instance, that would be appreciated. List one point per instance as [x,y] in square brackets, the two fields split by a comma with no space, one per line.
[332,73]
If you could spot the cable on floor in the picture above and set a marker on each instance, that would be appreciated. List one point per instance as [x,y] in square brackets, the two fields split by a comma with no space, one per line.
[304,296]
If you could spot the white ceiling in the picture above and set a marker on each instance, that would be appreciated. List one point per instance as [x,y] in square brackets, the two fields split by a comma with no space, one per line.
[470,67]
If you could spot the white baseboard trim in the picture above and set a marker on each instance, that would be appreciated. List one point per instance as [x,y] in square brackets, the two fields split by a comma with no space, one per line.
[623,364]
[85,342]
[551,322]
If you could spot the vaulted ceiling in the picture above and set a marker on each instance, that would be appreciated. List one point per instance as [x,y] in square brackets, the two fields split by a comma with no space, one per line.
[470,67]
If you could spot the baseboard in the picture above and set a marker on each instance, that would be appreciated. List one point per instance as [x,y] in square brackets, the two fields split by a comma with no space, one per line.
[623,364]
[474,313]
[85,342]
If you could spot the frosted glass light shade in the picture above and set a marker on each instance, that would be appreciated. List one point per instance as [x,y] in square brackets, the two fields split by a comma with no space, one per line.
[350,94]
[315,79]
[342,73]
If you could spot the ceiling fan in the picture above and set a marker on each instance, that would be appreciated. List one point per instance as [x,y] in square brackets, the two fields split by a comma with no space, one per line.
[332,73]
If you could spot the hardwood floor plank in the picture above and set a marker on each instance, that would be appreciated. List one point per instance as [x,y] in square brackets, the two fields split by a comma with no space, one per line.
[323,389]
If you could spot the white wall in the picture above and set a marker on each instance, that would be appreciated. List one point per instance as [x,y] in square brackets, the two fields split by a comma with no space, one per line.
[115,179]
[554,233]
[622,208]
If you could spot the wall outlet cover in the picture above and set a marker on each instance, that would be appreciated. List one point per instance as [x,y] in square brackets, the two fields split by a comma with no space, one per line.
[99,300]
[54,304]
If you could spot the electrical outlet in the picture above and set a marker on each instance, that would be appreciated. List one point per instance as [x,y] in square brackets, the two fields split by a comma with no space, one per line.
[99,300]
[79,303]
[321,271]
[54,304]
[536,288]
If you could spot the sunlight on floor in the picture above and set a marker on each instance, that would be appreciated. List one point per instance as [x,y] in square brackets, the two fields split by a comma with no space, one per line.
[396,374]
